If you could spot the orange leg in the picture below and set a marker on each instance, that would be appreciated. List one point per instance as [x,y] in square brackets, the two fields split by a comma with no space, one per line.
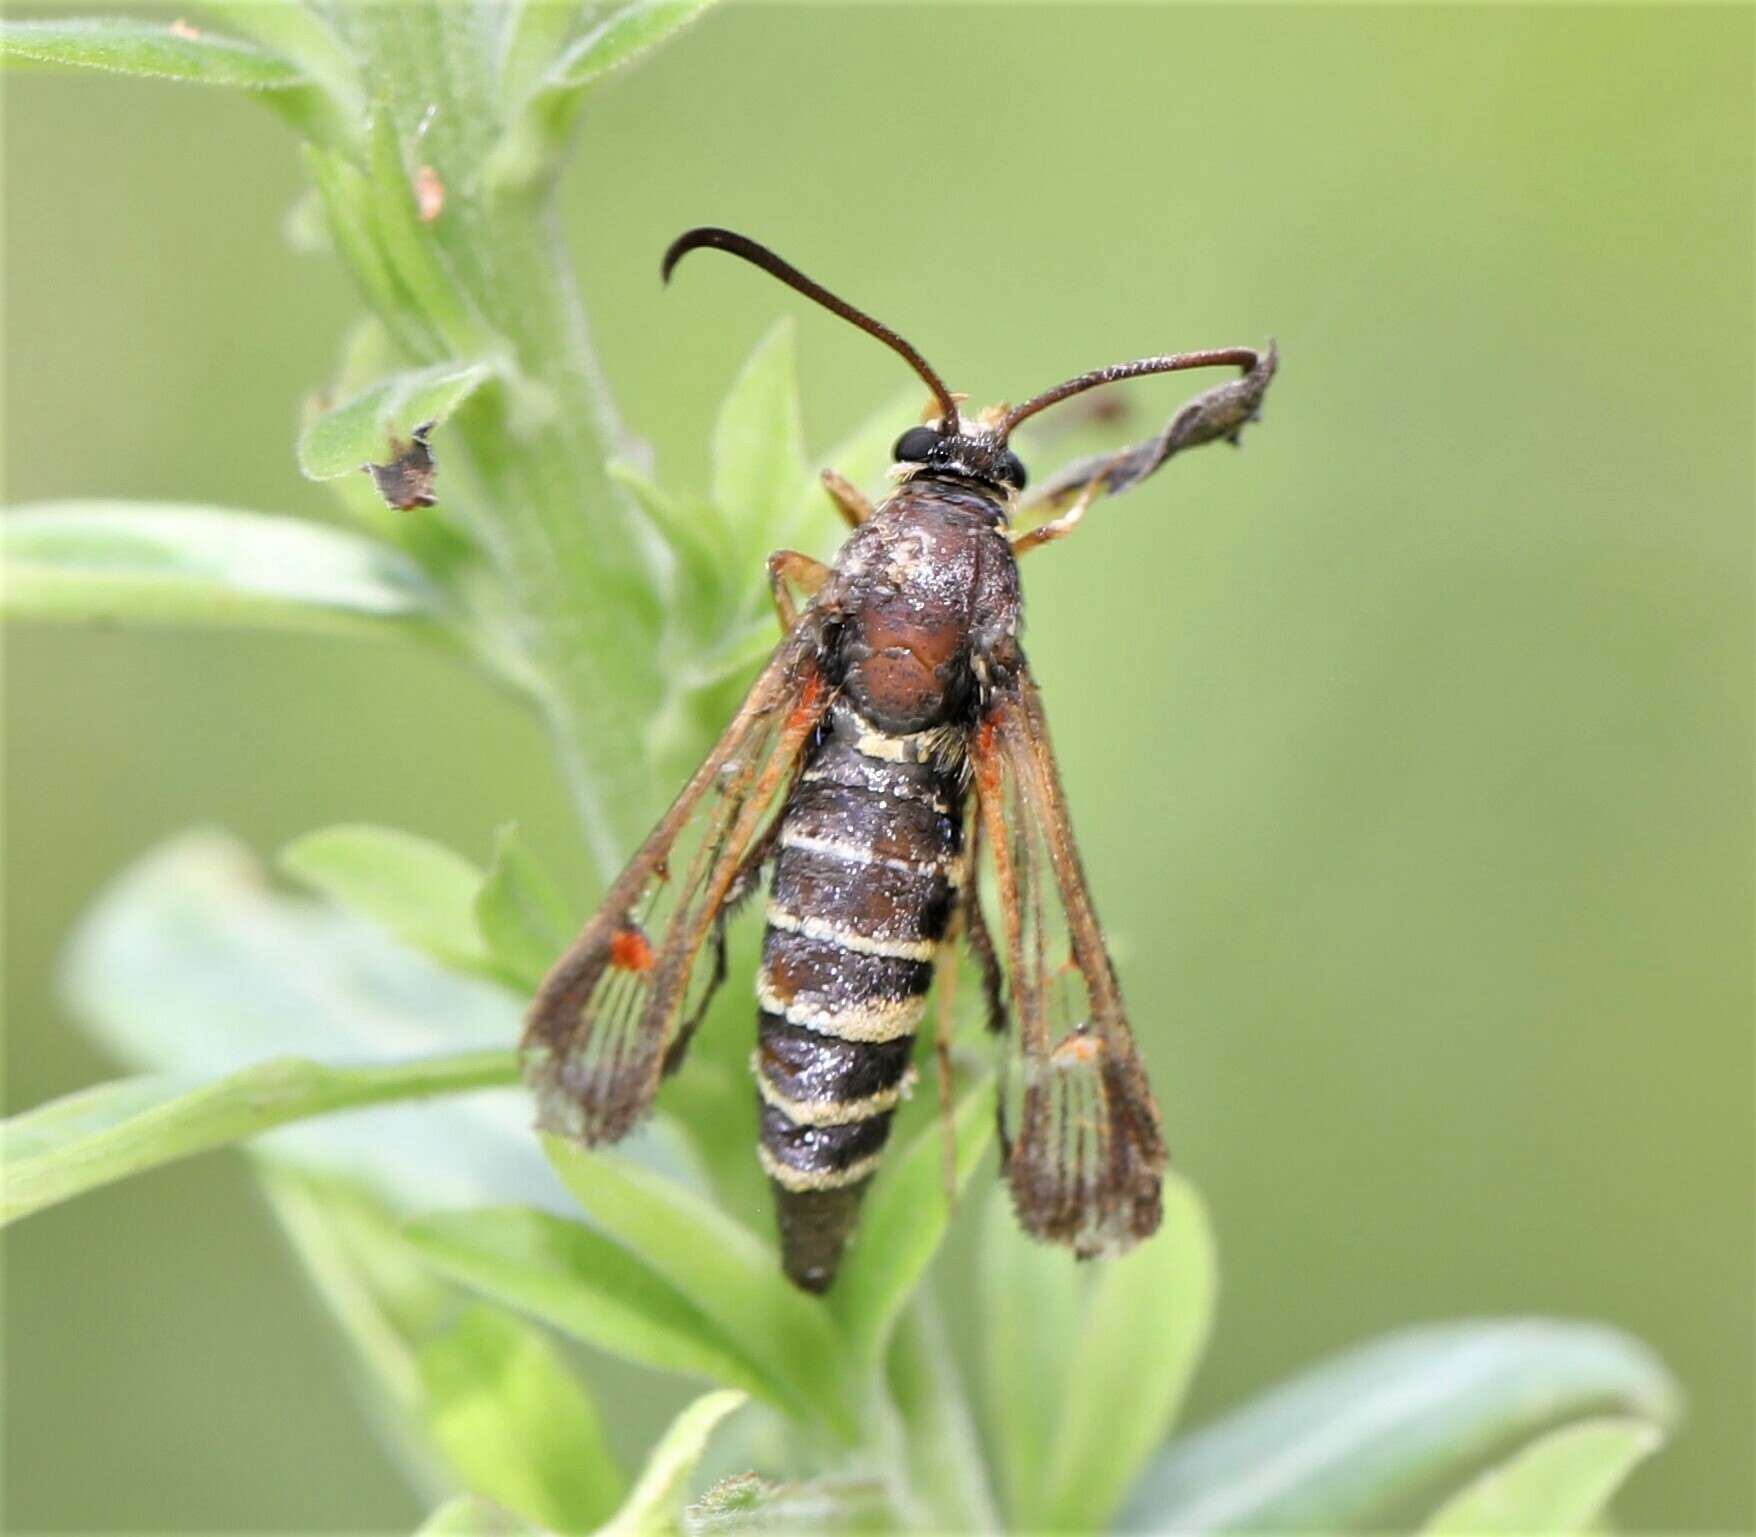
[849,500]
[1061,527]
[807,574]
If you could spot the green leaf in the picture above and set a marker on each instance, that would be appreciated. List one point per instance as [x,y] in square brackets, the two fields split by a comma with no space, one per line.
[655,1508]
[361,431]
[946,1471]
[524,919]
[629,31]
[103,1134]
[298,32]
[581,1283]
[723,1268]
[1146,1322]
[904,1220]
[1560,1483]
[516,1424]
[1357,1441]
[169,50]
[159,563]
[1032,1300]
[190,964]
[416,889]
[759,452]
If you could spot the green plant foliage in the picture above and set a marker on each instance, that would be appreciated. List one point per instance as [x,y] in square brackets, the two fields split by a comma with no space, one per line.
[1141,1335]
[412,887]
[523,917]
[655,1508]
[622,36]
[746,1503]
[155,563]
[722,1267]
[1361,1436]
[582,1284]
[366,429]
[516,1423]
[103,1134]
[167,50]
[1560,1483]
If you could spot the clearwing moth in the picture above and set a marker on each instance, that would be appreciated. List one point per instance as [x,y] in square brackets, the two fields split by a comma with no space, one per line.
[893,747]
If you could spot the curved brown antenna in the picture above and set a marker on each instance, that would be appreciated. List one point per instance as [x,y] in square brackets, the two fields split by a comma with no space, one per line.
[1239,357]
[761,256]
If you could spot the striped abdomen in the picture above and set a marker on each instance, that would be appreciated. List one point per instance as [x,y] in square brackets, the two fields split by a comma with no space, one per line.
[864,884]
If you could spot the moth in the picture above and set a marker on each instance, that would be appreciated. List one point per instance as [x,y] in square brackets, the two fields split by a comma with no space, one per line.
[893,749]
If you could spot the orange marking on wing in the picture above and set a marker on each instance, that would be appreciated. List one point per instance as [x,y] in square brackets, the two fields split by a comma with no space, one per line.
[810,704]
[1078,1050]
[630,951]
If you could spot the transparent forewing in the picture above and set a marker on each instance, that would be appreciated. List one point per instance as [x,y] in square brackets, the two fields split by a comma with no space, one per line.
[619,1006]
[1085,1157]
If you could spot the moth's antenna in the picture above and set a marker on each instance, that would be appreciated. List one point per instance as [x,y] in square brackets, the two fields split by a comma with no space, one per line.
[761,256]
[1239,357]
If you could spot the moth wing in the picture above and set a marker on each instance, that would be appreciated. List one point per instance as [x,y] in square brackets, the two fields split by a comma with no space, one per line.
[617,1009]
[1085,1156]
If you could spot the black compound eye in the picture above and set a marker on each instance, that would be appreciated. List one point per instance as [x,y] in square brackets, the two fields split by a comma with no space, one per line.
[915,446]
[1012,470]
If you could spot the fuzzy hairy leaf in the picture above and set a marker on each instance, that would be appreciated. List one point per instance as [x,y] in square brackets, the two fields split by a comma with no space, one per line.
[655,1507]
[619,38]
[365,429]
[749,1504]
[165,50]
[1357,1439]
[1558,1484]
[103,1134]
[581,1283]
[167,563]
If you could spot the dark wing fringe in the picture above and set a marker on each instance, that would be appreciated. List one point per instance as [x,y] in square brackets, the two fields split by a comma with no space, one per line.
[1086,1164]
[607,1021]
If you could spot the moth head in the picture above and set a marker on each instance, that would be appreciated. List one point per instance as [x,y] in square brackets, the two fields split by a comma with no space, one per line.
[972,449]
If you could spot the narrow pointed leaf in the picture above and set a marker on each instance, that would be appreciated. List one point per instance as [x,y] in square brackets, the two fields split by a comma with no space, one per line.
[940,1441]
[165,50]
[107,1133]
[1364,1437]
[416,889]
[722,1267]
[629,31]
[190,964]
[1033,1297]
[366,429]
[1558,1484]
[903,1222]
[1145,1325]
[516,1424]
[524,919]
[655,1508]
[759,447]
[581,1283]
[165,563]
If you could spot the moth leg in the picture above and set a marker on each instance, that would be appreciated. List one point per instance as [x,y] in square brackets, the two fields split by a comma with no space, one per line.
[849,500]
[1061,527]
[790,566]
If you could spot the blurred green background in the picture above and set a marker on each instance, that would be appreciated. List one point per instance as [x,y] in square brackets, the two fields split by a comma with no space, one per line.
[1410,750]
